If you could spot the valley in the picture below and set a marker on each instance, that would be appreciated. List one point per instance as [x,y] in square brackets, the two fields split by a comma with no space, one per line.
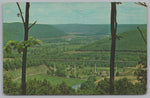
[73,55]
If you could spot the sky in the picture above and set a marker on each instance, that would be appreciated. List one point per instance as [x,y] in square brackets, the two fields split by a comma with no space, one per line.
[76,13]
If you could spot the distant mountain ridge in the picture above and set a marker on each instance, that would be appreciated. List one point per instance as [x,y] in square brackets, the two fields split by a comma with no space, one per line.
[90,29]
[130,41]
[15,31]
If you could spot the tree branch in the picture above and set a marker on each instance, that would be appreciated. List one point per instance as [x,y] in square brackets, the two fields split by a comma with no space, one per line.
[21,13]
[32,24]
[142,35]
[140,3]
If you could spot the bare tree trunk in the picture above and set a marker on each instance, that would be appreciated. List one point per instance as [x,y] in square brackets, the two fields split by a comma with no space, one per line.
[24,58]
[113,45]
[142,35]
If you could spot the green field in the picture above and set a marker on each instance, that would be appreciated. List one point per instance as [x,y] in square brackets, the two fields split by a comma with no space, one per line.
[54,80]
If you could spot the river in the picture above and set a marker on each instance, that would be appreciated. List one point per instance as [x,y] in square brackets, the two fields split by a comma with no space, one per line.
[76,86]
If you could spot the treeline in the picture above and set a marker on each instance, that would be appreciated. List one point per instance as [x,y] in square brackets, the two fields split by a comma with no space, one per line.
[82,64]
[121,86]
[140,51]
[38,56]
[64,51]
[38,87]
[13,63]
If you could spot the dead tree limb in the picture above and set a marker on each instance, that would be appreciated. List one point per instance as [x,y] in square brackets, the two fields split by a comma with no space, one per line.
[21,13]
[32,24]
[142,35]
[141,3]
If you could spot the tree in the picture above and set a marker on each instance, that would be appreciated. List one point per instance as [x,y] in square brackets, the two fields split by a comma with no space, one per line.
[123,87]
[22,46]
[102,88]
[113,45]
[89,84]
[141,72]
[26,23]
[63,89]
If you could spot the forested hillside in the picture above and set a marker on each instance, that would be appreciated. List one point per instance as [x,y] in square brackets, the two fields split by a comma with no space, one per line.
[130,40]
[95,29]
[73,33]
[15,31]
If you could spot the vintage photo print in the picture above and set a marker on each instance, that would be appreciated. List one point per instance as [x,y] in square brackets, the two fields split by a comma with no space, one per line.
[74,48]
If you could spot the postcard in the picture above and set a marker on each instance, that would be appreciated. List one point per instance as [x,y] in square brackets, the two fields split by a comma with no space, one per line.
[74,48]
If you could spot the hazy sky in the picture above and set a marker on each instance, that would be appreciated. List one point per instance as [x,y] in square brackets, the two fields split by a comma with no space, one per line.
[81,13]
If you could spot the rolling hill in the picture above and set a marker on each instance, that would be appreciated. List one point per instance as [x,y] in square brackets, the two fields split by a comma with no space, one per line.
[15,31]
[85,33]
[131,40]
[95,29]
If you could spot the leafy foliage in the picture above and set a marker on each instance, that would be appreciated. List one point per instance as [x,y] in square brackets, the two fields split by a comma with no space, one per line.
[89,84]
[102,88]
[9,87]
[60,73]
[143,61]
[39,87]
[20,45]
[141,72]
[63,89]
[122,87]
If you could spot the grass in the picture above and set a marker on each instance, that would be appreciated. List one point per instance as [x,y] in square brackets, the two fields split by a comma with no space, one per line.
[54,80]
[16,74]
[39,72]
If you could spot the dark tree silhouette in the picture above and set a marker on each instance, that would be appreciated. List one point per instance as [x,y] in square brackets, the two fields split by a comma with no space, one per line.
[113,42]
[113,45]
[24,57]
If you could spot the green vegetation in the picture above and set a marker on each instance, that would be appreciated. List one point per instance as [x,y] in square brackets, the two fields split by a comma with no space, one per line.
[44,87]
[130,41]
[14,31]
[89,84]
[54,80]
[122,87]
[95,29]
[141,72]
[77,55]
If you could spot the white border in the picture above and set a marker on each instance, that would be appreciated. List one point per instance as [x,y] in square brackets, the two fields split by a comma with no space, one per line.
[106,96]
